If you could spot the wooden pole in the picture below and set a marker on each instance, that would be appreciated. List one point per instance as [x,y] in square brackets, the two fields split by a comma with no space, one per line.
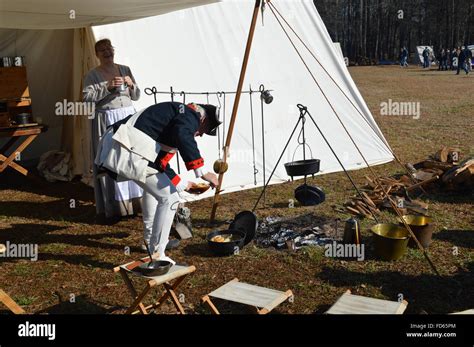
[236,105]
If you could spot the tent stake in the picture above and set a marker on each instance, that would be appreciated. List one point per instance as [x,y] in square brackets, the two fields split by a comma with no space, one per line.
[236,105]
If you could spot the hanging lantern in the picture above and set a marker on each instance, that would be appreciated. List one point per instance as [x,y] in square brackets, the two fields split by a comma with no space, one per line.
[266,96]
[220,166]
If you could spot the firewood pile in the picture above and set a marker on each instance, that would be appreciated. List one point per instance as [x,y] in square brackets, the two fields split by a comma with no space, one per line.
[442,171]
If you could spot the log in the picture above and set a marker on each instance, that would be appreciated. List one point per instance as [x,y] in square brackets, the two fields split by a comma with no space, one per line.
[432,164]
[430,180]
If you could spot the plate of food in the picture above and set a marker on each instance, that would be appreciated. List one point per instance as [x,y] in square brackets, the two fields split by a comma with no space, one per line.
[199,188]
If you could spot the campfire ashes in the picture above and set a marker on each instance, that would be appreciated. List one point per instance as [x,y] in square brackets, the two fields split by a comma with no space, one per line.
[307,230]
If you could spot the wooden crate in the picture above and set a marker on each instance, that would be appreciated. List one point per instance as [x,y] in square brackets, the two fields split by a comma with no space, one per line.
[15,92]
[14,83]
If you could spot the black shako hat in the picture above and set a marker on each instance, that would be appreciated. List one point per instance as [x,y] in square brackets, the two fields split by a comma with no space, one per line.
[212,113]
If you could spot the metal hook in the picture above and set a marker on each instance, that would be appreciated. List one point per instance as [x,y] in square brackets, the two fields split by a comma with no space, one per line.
[302,108]
[183,94]
[151,91]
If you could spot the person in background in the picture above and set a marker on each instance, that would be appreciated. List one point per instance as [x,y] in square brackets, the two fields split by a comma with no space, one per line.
[461,60]
[112,88]
[403,57]
[426,58]
[439,58]
[455,58]
[448,59]
[467,59]
[444,60]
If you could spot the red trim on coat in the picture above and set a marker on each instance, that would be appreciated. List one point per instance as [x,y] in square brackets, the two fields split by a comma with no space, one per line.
[176,179]
[165,160]
[195,164]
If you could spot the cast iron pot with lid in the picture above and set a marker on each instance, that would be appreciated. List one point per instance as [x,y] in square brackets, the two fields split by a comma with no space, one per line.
[242,230]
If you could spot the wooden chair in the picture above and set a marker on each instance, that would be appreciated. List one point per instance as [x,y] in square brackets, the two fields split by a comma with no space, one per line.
[356,304]
[10,304]
[263,299]
[177,274]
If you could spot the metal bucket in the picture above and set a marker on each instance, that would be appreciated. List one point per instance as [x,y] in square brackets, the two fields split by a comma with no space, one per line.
[422,227]
[390,241]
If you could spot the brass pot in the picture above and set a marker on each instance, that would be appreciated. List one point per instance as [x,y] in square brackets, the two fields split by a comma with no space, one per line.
[220,166]
[422,227]
[390,241]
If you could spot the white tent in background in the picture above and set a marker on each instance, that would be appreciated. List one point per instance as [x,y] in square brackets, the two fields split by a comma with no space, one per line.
[471,47]
[337,45]
[200,49]
[420,49]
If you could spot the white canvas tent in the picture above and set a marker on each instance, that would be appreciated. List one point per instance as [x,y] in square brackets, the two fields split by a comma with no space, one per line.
[200,49]
[337,45]
[420,49]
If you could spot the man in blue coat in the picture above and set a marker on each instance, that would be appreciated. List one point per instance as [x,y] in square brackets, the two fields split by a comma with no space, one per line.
[140,147]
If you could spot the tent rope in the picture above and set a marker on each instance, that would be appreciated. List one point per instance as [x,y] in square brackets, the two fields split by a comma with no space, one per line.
[386,195]
[397,159]
[261,89]
[255,170]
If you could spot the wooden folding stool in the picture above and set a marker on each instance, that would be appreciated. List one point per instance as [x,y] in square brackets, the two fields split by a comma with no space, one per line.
[263,299]
[10,304]
[356,304]
[177,274]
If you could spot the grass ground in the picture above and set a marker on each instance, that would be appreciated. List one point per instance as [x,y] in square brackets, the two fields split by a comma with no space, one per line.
[74,270]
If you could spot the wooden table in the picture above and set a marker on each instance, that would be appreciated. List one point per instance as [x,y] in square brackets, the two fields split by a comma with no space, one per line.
[30,132]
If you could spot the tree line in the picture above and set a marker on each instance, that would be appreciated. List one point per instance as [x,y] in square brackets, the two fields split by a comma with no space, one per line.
[373,30]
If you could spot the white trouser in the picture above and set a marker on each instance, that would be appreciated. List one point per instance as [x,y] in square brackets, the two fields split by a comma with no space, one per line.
[159,206]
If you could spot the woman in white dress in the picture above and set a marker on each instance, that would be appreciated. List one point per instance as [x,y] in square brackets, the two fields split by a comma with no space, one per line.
[112,88]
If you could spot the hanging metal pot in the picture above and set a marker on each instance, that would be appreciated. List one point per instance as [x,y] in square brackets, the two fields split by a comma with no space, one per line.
[303,167]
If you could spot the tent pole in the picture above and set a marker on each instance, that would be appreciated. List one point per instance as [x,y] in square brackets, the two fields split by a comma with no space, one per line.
[236,104]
